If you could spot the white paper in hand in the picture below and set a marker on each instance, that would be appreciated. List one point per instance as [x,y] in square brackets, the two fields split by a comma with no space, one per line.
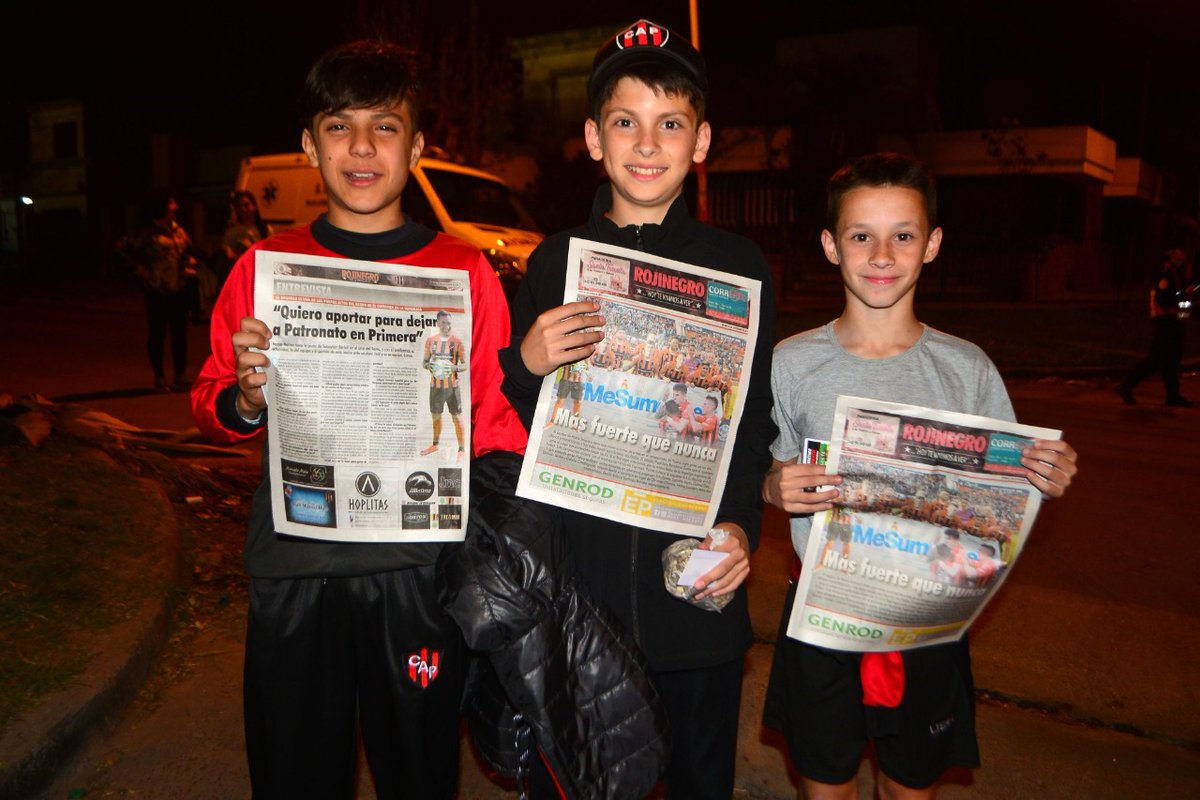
[271,357]
[700,562]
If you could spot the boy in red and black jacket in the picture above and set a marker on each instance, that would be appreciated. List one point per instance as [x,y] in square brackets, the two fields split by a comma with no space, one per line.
[332,624]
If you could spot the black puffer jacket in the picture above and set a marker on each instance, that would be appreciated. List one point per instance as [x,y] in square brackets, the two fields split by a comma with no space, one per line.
[577,679]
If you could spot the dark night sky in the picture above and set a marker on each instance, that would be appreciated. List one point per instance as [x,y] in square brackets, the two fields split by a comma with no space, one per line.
[227,71]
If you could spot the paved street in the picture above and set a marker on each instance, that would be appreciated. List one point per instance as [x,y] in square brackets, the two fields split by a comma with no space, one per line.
[1086,660]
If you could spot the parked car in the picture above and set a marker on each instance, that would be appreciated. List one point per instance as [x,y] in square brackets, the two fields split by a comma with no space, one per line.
[473,205]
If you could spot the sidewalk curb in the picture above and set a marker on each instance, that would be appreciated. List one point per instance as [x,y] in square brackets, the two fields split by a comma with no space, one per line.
[38,743]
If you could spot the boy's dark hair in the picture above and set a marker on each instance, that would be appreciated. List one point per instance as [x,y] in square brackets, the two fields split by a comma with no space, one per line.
[877,170]
[654,55]
[360,74]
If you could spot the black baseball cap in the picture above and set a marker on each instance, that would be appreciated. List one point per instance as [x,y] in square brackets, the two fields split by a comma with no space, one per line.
[645,42]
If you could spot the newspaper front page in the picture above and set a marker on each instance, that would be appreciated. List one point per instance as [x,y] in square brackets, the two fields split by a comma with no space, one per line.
[935,508]
[643,430]
[363,357]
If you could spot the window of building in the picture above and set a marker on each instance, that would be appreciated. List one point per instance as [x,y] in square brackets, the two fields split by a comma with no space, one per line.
[66,140]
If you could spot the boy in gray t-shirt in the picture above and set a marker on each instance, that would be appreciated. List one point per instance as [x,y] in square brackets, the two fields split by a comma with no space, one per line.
[916,705]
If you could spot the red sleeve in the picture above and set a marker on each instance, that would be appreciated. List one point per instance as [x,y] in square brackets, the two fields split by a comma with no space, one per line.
[235,301]
[494,423]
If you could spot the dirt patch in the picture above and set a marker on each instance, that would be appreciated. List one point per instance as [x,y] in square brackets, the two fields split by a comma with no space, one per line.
[73,551]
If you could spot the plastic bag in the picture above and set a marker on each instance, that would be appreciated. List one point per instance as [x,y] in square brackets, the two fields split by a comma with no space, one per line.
[674,558]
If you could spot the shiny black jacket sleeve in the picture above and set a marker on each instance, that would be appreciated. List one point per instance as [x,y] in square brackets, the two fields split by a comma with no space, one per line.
[541,289]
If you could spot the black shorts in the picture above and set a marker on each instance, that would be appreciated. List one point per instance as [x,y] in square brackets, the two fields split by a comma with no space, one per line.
[839,532]
[444,398]
[815,698]
[570,389]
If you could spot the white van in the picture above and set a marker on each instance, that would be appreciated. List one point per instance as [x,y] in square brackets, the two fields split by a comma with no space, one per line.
[468,203]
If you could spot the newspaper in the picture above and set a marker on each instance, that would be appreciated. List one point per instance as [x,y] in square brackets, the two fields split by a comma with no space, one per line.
[359,352]
[934,510]
[642,432]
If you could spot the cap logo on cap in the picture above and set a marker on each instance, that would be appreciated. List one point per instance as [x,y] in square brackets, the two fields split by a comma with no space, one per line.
[642,45]
[643,33]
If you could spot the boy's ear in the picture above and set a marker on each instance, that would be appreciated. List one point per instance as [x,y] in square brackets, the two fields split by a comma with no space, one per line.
[591,137]
[418,146]
[310,148]
[703,140]
[829,245]
[933,245]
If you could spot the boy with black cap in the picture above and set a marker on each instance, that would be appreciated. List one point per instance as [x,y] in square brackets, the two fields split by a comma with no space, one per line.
[647,94]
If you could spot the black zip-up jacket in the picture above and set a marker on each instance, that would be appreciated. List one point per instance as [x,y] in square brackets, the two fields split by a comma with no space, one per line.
[570,670]
[622,563]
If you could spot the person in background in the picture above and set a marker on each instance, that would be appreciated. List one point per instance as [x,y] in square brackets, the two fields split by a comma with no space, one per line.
[245,227]
[1170,306]
[160,255]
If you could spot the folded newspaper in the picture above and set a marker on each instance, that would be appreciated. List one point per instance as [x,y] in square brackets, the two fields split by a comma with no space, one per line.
[643,430]
[935,508]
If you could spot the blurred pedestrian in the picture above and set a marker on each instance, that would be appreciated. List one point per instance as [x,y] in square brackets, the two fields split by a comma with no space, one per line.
[160,254]
[244,228]
[1170,306]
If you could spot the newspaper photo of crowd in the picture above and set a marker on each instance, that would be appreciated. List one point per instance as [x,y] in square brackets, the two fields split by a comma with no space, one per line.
[978,508]
[656,345]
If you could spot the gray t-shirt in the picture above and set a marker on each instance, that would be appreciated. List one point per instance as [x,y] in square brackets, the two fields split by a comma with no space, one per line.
[811,369]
